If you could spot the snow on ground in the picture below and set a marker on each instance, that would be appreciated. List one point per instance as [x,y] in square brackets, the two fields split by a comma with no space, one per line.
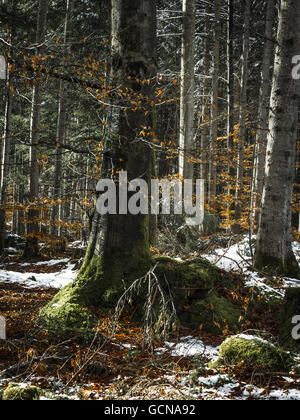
[214,386]
[47,263]
[32,280]
[189,346]
[237,257]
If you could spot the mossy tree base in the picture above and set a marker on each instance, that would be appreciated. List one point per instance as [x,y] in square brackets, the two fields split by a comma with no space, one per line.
[274,266]
[70,312]
[196,289]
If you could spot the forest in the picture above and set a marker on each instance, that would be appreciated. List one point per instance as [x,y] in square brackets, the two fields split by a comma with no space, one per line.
[150,202]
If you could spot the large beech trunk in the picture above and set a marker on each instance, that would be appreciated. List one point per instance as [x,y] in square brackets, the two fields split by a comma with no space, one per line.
[274,249]
[118,250]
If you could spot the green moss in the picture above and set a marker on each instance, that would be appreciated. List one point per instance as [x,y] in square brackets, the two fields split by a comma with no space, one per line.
[254,352]
[16,391]
[69,311]
[197,273]
[67,314]
[214,314]
[194,286]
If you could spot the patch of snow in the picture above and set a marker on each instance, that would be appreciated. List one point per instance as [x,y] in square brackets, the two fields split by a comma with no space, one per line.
[51,280]
[250,338]
[47,263]
[237,257]
[188,347]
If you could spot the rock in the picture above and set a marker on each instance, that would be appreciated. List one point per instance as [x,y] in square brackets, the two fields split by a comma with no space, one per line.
[254,352]
[21,392]
[197,294]
[290,308]
[214,313]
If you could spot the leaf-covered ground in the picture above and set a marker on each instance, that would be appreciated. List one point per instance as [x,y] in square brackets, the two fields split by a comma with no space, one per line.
[116,365]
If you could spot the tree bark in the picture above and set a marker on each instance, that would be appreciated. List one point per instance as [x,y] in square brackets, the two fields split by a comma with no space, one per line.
[204,171]
[242,121]
[6,145]
[61,125]
[215,106]
[263,112]
[274,249]
[31,248]
[118,250]
[187,107]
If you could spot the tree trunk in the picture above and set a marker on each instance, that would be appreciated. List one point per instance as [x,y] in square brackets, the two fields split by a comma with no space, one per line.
[230,75]
[263,112]
[274,250]
[61,123]
[206,105]
[230,107]
[118,250]
[187,107]
[215,106]
[31,248]
[6,145]
[242,121]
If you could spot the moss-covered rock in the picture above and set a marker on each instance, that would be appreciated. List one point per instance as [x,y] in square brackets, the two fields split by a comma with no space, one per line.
[198,273]
[196,287]
[254,352]
[214,314]
[16,391]
[290,308]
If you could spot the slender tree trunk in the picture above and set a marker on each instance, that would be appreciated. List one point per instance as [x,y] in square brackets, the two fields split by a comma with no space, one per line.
[215,105]
[206,104]
[187,107]
[230,75]
[263,113]
[6,145]
[242,120]
[61,127]
[230,108]
[274,249]
[31,248]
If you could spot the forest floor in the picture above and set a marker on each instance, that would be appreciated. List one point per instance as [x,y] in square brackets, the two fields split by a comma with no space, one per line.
[118,366]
